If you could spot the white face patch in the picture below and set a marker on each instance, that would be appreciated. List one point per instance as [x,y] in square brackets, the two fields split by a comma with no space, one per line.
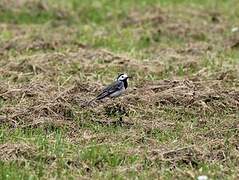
[122,77]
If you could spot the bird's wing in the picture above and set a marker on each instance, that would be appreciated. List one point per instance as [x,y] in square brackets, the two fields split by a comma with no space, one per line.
[115,86]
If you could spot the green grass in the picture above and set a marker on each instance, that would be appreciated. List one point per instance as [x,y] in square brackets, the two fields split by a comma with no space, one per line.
[185,128]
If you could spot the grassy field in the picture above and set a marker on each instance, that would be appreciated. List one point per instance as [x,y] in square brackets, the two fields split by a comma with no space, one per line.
[180,113]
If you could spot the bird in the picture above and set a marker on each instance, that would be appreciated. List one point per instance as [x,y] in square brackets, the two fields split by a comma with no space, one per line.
[115,89]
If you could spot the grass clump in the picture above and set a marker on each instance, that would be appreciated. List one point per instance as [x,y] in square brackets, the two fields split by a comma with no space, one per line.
[179,114]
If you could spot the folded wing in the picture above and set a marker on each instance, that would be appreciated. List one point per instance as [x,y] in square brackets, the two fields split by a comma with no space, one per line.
[115,86]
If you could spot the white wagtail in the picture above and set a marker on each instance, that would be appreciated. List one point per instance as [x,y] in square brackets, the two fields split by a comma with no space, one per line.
[115,89]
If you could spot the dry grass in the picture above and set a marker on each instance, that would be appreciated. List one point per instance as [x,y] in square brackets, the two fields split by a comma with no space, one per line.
[178,119]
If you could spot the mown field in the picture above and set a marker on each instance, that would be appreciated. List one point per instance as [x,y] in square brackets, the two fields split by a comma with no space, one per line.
[180,114]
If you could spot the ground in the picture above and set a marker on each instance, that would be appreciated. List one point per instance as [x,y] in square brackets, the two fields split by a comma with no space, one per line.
[179,116]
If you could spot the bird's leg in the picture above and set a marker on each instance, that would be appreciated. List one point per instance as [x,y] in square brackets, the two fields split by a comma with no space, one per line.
[120,121]
[121,113]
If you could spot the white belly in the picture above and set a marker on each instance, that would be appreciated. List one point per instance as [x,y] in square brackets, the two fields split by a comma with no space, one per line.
[117,93]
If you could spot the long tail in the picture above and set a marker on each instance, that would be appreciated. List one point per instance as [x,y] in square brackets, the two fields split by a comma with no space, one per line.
[87,103]
[99,97]
[92,100]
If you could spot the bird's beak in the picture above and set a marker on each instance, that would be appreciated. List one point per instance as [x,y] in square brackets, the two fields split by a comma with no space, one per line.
[129,77]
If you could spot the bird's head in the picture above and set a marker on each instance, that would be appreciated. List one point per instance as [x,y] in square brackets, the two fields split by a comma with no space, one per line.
[122,77]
